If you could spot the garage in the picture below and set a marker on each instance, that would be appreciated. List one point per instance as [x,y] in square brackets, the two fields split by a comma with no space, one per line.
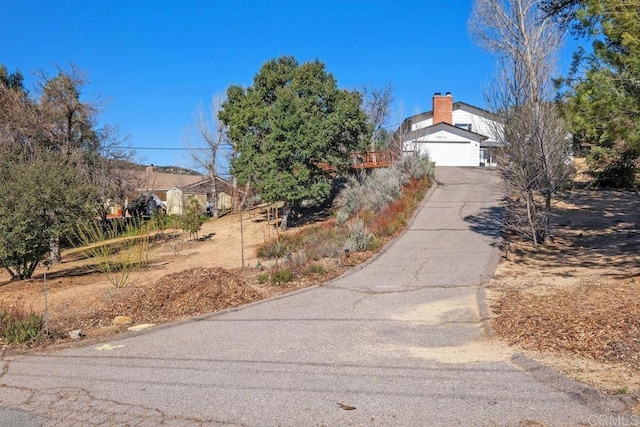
[447,145]
[450,153]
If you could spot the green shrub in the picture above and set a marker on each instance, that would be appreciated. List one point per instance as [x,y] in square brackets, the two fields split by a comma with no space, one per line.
[272,250]
[372,194]
[172,221]
[277,275]
[160,220]
[316,268]
[614,167]
[417,166]
[374,243]
[359,236]
[281,276]
[192,220]
[19,326]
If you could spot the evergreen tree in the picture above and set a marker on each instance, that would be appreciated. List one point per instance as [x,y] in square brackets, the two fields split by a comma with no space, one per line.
[601,97]
[292,130]
[52,167]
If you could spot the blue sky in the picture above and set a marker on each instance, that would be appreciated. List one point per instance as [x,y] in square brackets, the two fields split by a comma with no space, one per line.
[155,61]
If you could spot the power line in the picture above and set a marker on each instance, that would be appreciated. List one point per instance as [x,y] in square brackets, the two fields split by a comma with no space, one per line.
[173,148]
[221,147]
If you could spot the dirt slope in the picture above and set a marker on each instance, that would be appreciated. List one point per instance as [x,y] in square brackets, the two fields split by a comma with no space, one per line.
[574,303]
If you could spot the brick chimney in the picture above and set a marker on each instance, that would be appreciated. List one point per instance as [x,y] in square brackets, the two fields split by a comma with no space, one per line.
[442,108]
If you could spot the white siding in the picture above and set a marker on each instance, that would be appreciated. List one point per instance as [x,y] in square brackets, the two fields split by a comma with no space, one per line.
[479,124]
[422,124]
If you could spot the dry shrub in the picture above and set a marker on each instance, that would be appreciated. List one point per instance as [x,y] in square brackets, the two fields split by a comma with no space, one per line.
[287,243]
[118,258]
[394,216]
[272,250]
[390,220]
[325,243]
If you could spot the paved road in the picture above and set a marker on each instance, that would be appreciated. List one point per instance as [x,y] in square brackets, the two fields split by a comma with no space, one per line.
[403,341]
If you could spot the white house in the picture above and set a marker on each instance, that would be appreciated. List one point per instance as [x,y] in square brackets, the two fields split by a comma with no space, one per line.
[454,134]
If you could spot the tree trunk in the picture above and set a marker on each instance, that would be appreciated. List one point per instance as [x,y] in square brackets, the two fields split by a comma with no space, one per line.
[234,196]
[243,201]
[30,269]
[54,250]
[547,216]
[286,211]
[531,217]
[214,197]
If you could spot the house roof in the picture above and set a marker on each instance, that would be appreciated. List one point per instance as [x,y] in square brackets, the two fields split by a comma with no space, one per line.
[153,180]
[490,143]
[458,105]
[419,133]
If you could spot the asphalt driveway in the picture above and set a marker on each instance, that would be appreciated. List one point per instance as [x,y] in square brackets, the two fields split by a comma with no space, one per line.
[402,341]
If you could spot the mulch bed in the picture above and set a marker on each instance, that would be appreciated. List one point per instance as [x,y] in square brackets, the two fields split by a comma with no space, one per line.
[600,322]
[183,294]
[175,296]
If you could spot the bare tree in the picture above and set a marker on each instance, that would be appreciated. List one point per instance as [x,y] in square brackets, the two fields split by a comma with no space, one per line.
[20,122]
[534,162]
[212,135]
[376,104]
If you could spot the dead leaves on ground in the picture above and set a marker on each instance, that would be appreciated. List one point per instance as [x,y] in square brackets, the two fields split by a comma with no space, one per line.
[187,293]
[346,407]
[175,296]
[601,322]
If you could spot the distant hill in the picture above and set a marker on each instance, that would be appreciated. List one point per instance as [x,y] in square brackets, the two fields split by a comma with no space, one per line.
[162,169]
[176,169]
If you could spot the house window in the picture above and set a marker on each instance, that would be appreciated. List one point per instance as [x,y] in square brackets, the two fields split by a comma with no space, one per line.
[465,126]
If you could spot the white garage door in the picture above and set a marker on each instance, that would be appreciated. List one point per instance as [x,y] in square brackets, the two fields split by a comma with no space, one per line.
[449,153]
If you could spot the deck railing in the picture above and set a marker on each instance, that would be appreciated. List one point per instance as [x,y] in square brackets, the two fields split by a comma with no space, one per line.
[372,159]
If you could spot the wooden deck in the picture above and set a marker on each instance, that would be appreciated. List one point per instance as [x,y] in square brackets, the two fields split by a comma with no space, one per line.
[372,159]
[367,160]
